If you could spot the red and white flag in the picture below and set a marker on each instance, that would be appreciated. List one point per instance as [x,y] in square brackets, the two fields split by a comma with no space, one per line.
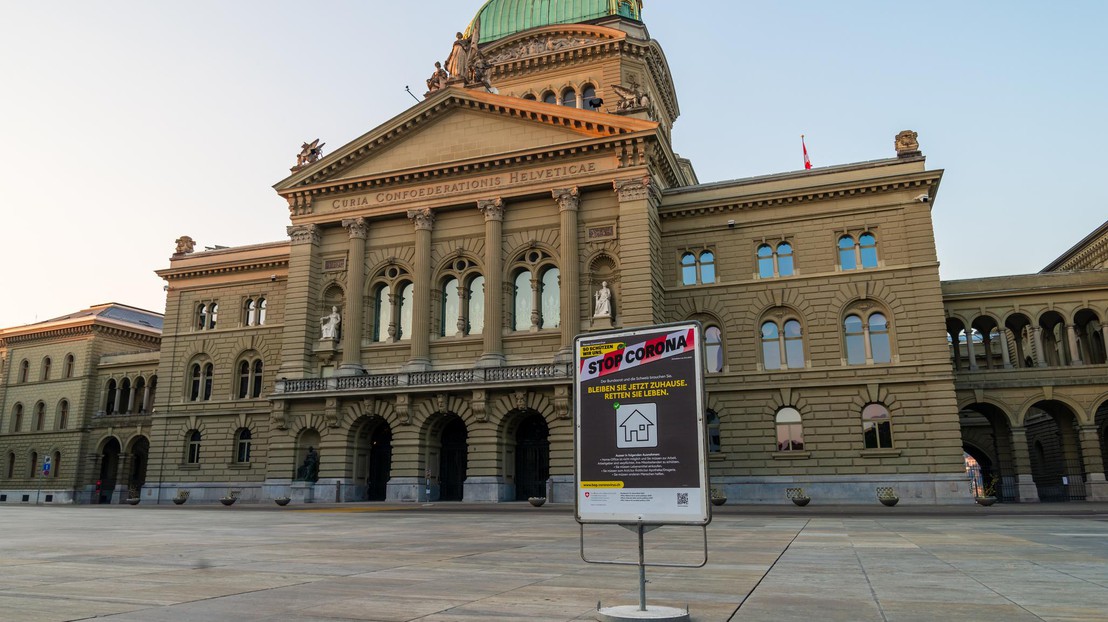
[807,162]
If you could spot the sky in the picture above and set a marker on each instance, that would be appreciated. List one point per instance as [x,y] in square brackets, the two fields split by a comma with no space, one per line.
[126,124]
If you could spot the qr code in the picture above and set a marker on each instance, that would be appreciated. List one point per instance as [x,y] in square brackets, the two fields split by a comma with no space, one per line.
[682,499]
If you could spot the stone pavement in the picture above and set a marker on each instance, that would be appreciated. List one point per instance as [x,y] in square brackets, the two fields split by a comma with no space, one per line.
[512,562]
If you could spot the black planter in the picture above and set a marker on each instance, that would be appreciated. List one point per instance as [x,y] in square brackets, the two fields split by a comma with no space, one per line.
[719,500]
[282,501]
[985,501]
[133,501]
[889,501]
[802,501]
[228,500]
[536,501]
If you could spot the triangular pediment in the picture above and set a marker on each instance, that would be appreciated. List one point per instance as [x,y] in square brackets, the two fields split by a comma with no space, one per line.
[1090,253]
[459,126]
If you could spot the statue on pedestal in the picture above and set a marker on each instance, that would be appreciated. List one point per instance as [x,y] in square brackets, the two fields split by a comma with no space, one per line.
[329,325]
[308,471]
[437,79]
[603,301]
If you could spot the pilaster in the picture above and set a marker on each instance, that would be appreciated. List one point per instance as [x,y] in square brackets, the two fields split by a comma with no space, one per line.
[1096,488]
[640,236]
[303,290]
[493,356]
[424,221]
[569,203]
[1028,492]
[354,323]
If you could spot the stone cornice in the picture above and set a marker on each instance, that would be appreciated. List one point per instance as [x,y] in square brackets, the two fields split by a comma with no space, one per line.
[588,123]
[927,180]
[224,268]
[31,334]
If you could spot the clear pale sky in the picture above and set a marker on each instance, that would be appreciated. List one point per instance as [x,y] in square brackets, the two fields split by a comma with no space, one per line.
[128,123]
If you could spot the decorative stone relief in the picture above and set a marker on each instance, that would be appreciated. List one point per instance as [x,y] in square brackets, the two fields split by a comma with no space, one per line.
[357,227]
[403,409]
[493,209]
[309,153]
[423,219]
[519,399]
[329,325]
[303,234]
[479,405]
[906,144]
[568,199]
[331,412]
[635,189]
[561,401]
[299,204]
[540,45]
[441,403]
[185,245]
[278,416]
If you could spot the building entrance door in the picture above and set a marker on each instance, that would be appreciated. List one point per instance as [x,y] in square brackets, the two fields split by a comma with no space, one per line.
[532,457]
[380,463]
[452,465]
[109,468]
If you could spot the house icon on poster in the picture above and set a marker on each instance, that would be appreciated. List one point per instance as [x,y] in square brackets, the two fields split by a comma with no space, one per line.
[637,425]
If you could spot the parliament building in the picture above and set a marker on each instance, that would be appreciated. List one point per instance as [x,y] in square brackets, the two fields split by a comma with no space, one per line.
[411,339]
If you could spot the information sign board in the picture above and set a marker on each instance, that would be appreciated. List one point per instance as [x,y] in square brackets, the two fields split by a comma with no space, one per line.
[640,442]
[46,466]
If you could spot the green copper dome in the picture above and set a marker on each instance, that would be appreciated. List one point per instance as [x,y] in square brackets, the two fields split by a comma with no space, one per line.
[500,18]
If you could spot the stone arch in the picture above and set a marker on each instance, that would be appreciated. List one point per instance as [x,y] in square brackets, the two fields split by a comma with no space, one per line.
[198,350]
[519,242]
[503,405]
[370,407]
[849,294]
[1005,408]
[104,440]
[1081,415]
[427,408]
[711,306]
[402,257]
[315,421]
[255,343]
[875,394]
[444,255]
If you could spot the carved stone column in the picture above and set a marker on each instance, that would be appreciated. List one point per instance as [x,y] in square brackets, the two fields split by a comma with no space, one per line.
[117,406]
[1028,492]
[970,350]
[353,322]
[493,356]
[1096,488]
[639,238]
[569,203]
[1037,343]
[301,328]
[1075,352]
[1006,335]
[424,222]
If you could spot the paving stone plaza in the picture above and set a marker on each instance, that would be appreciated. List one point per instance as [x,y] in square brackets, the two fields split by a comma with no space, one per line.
[432,563]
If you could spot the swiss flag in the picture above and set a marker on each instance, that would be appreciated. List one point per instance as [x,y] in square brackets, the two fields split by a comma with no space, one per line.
[807,162]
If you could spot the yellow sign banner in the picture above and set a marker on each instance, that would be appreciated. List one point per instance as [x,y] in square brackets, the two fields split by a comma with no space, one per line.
[601,484]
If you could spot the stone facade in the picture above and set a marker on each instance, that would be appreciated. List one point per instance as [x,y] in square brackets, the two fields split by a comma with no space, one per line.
[412,339]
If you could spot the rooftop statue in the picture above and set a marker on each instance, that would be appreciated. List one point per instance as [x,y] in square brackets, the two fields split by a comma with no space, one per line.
[465,60]
[309,153]
[437,79]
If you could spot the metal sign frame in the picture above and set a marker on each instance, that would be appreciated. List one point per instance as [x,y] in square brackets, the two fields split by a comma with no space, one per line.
[660,370]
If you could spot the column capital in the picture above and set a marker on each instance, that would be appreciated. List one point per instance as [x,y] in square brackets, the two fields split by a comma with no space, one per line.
[569,199]
[357,227]
[303,234]
[493,209]
[633,189]
[423,218]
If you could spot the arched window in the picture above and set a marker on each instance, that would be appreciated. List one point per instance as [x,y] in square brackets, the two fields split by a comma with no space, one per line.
[192,455]
[261,311]
[34,463]
[24,370]
[854,332]
[200,382]
[213,315]
[529,96]
[201,316]
[477,305]
[142,395]
[242,446]
[382,312]
[67,371]
[774,262]
[110,398]
[848,260]
[124,405]
[867,247]
[782,344]
[551,299]
[861,253]
[256,380]
[250,312]
[877,427]
[790,430]
[522,301]
[63,415]
[17,418]
[698,268]
[588,96]
[40,417]
[46,362]
[550,98]
[879,338]
[244,379]
[569,98]
[867,341]
[451,309]
[713,349]
[57,466]
[715,439]
[407,303]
